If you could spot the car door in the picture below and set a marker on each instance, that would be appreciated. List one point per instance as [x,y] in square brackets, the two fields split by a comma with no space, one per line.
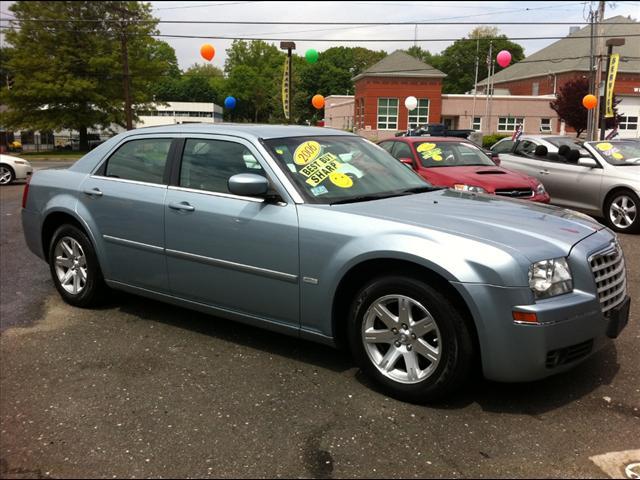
[574,186]
[124,201]
[235,253]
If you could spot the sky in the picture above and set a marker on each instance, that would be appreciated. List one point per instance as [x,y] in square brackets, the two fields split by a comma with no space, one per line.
[187,50]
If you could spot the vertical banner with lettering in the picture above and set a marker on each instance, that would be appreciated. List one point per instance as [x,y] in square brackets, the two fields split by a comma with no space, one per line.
[611,80]
[285,89]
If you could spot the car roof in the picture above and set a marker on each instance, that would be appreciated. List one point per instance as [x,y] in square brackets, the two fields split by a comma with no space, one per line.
[244,130]
[426,138]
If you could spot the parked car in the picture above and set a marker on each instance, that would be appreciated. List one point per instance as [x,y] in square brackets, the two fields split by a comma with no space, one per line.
[325,236]
[13,168]
[461,165]
[585,177]
[527,144]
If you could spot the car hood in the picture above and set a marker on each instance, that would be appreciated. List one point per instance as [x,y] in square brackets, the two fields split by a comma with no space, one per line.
[532,229]
[488,177]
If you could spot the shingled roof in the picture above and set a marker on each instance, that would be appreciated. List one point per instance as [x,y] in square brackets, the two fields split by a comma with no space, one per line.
[401,64]
[576,53]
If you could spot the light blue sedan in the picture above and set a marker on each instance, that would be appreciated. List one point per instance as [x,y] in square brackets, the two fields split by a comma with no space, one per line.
[323,235]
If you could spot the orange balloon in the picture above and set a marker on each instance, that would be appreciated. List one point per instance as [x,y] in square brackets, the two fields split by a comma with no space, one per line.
[207,51]
[317,101]
[589,101]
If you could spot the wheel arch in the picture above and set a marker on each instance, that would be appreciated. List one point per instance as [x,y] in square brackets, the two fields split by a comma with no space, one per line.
[358,274]
[53,221]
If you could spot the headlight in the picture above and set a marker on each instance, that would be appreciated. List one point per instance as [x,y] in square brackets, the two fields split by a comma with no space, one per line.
[469,188]
[549,278]
[19,162]
[540,189]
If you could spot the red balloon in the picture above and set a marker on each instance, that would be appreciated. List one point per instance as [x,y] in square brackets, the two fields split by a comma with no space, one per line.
[317,101]
[589,101]
[207,51]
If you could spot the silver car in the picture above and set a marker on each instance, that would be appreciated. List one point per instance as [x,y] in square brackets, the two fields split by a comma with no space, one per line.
[323,235]
[13,168]
[599,178]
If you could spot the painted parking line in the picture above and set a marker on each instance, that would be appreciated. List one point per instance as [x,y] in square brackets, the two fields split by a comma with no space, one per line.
[624,464]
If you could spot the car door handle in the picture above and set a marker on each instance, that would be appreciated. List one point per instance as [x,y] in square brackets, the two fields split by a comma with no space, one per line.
[94,192]
[184,206]
[544,172]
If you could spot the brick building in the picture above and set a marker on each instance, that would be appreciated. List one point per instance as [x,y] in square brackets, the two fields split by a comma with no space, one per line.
[546,71]
[381,90]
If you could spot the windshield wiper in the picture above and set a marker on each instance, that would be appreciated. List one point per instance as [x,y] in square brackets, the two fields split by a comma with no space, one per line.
[379,196]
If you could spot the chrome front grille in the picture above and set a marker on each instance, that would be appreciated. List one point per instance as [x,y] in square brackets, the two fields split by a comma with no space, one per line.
[611,277]
[515,192]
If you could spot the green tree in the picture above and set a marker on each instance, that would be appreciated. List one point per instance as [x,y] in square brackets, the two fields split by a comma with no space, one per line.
[424,56]
[67,64]
[458,60]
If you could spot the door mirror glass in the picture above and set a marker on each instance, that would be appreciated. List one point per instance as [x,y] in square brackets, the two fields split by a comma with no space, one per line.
[407,161]
[248,185]
[587,162]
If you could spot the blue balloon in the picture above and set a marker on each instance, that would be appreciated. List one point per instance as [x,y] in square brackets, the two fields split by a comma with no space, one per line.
[229,103]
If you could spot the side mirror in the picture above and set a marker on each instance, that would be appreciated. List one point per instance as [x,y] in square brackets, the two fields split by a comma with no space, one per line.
[495,158]
[248,185]
[587,162]
[407,161]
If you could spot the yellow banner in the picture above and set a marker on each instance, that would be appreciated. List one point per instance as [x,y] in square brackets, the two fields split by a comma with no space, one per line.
[611,80]
[285,89]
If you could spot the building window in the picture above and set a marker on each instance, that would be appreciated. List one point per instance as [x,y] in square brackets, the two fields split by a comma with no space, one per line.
[509,124]
[535,88]
[628,123]
[476,123]
[387,113]
[545,124]
[420,115]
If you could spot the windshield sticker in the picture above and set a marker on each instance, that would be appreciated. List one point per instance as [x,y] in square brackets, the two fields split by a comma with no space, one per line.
[610,151]
[429,150]
[318,170]
[340,180]
[306,152]
[319,190]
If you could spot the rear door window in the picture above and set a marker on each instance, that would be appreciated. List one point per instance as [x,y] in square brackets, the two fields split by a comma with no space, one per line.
[140,160]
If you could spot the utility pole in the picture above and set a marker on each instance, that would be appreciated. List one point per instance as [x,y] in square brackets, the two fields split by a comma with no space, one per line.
[600,105]
[487,88]
[592,79]
[475,84]
[124,24]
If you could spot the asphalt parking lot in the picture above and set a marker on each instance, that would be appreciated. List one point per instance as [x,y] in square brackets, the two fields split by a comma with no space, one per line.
[141,389]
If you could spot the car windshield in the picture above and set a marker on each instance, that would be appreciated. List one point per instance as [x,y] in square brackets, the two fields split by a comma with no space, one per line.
[337,169]
[451,154]
[620,153]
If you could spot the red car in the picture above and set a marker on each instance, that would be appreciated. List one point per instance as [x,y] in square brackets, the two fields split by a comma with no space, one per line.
[459,164]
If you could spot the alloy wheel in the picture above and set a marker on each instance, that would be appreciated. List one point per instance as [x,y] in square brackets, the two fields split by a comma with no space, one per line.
[623,211]
[70,265]
[5,175]
[401,339]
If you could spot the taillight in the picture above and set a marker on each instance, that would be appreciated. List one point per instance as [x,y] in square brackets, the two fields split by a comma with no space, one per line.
[25,193]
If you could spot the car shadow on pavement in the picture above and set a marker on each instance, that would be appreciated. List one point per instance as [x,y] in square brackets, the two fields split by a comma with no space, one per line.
[232,331]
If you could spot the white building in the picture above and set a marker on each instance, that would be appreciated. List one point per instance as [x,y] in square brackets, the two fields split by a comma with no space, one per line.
[180,112]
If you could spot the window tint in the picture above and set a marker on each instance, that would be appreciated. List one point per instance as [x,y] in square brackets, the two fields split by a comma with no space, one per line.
[387,146]
[504,146]
[402,150]
[526,147]
[140,160]
[208,164]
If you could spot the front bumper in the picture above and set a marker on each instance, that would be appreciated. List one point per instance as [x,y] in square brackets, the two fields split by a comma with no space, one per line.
[23,171]
[570,327]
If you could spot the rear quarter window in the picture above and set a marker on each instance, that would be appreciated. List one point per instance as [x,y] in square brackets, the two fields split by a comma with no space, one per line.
[140,160]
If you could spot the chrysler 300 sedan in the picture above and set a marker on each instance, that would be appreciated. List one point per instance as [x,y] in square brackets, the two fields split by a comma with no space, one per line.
[323,235]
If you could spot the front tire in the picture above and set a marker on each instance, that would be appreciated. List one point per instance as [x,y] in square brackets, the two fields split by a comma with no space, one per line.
[410,339]
[74,268]
[622,212]
[7,175]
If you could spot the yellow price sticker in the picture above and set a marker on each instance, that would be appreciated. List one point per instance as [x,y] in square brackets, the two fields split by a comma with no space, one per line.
[306,152]
[319,169]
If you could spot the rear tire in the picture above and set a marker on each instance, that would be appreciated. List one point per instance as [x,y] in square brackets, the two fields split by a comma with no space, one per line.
[622,212]
[75,269]
[410,339]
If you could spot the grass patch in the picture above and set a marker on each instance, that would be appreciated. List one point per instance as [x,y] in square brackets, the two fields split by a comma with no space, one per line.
[52,155]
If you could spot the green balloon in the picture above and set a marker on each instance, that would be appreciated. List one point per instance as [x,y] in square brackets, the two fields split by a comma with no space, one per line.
[311,55]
